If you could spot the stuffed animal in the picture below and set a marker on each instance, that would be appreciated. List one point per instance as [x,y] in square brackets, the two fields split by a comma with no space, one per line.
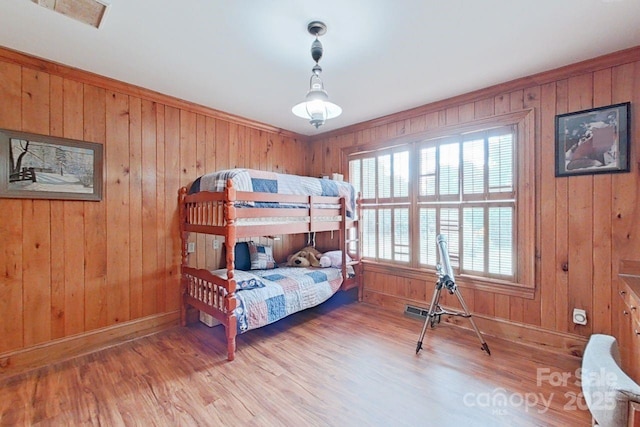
[308,257]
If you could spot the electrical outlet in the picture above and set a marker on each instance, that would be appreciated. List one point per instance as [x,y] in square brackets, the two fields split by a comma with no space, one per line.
[579,316]
[191,247]
[216,244]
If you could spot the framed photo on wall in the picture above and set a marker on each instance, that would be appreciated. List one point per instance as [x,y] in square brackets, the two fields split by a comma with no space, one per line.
[46,167]
[593,141]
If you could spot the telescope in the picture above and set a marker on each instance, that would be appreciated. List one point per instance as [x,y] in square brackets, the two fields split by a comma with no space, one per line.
[444,270]
[447,280]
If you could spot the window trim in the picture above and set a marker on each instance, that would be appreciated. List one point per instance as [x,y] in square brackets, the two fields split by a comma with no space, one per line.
[525,193]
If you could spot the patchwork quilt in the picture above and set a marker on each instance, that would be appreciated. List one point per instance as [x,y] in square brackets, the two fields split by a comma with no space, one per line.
[284,291]
[252,180]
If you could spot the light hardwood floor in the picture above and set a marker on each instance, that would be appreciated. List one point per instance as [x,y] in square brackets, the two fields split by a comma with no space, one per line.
[340,364]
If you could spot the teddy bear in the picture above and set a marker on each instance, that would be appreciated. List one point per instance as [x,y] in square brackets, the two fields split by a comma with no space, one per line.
[308,257]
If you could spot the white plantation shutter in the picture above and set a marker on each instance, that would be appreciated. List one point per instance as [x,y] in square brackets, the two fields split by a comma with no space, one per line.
[475,173]
[449,168]
[401,234]
[355,170]
[384,234]
[459,186]
[427,172]
[501,240]
[473,239]
[428,227]
[392,241]
[383,180]
[449,226]
[473,181]
[501,163]
[401,174]
[369,233]
[368,178]
[384,176]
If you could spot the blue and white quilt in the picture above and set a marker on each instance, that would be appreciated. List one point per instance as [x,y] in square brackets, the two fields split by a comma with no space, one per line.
[252,180]
[284,291]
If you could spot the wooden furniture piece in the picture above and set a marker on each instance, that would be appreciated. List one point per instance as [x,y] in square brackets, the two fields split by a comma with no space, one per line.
[218,213]
[629,334]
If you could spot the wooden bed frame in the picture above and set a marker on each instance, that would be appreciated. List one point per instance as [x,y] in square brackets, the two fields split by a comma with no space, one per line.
[217,213]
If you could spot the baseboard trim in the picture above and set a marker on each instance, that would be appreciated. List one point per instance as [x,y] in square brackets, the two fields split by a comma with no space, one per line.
[20,361]
[558,342]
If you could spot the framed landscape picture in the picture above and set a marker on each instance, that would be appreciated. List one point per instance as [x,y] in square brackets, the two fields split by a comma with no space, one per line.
[46,167]
[593,141]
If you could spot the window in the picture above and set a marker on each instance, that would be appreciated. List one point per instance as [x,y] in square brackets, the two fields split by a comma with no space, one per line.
[464,186]
[383,181]
[466,192]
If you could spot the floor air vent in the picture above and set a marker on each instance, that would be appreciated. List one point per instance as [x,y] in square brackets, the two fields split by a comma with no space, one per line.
[416,312]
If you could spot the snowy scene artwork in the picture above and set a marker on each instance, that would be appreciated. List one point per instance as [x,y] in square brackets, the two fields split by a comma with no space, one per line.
[44,167]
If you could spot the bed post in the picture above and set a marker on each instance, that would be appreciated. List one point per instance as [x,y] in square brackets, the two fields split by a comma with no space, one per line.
[344,247]
[184,248]
[230,243]
[359,269]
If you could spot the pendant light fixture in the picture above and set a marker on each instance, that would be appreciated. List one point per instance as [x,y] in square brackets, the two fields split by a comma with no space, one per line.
[316,107]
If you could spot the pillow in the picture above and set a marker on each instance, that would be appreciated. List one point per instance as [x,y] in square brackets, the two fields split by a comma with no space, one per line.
[244,280]
[261,256]
[242,258]
[336,258]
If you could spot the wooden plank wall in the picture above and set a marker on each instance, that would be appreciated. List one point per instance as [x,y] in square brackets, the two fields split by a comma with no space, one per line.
[70,267]
[588,222]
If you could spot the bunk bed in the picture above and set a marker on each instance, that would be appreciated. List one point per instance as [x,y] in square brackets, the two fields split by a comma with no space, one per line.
[240,204]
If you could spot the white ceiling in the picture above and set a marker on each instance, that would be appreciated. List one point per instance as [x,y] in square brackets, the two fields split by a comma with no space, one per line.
[251,58]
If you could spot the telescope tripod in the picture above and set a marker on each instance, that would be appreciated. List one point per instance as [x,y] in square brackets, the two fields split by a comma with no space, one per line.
[435,311]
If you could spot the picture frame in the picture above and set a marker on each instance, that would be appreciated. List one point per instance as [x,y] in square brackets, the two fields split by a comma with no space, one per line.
[46,167]
[593,141]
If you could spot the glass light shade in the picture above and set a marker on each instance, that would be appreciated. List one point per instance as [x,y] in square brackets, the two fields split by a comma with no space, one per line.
[316,108]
